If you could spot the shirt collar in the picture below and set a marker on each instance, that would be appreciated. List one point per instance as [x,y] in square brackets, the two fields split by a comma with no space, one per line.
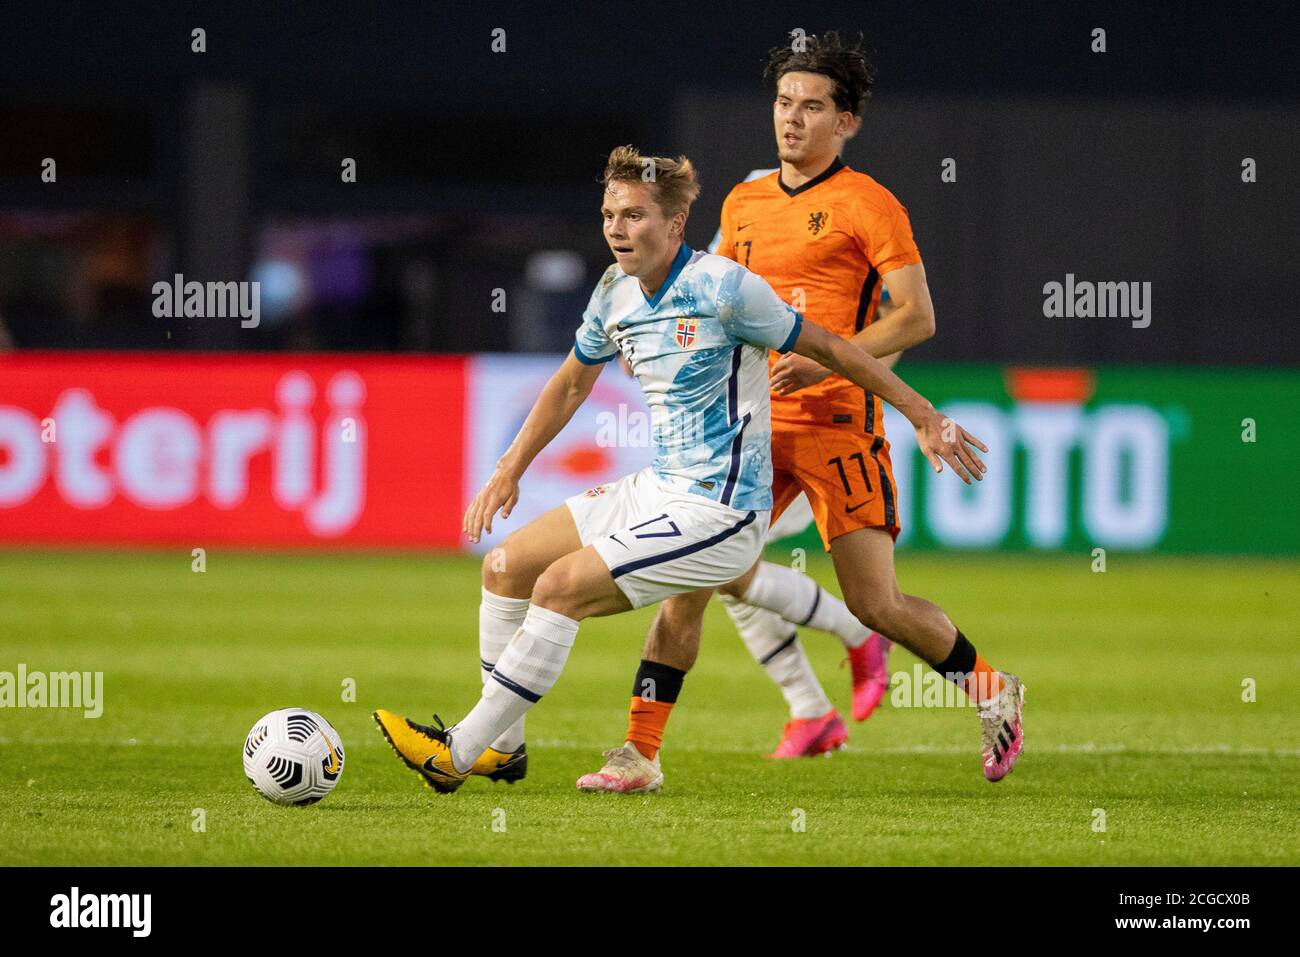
[821,177]
[679,263]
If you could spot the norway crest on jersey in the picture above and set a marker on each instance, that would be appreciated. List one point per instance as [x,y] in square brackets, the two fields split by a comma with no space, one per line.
[686,329]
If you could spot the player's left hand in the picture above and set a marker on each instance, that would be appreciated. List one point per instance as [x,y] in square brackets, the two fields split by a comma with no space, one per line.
[943,440]
[794,372]
[500,492]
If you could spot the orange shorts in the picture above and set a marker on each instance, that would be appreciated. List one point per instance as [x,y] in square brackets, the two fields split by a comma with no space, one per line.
[846,473]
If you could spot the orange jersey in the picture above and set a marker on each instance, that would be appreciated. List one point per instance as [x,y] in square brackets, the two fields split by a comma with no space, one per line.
[825,248]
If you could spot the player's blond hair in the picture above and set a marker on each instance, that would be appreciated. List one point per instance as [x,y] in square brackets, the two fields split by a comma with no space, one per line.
[675,180]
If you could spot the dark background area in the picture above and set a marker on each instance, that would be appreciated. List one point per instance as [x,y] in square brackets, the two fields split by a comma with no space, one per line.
[477,171]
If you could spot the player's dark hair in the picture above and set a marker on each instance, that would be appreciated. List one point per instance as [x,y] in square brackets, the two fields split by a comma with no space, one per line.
[848,67]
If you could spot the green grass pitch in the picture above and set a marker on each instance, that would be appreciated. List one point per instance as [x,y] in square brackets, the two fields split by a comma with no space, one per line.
[1134,707]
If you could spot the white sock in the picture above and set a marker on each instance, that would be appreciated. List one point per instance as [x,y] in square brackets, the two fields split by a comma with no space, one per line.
[775,645]
[498,620]
[801,601]
[525,671]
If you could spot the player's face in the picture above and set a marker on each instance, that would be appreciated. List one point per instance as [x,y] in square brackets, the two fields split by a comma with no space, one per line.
[809,126]
[641,238]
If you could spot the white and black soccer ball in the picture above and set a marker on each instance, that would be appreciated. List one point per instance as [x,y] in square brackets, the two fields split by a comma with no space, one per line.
[293,756]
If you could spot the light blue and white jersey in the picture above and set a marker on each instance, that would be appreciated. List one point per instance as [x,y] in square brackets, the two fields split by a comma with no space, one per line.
[698,348]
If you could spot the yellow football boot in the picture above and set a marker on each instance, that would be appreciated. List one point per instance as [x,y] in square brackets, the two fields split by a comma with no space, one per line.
[424,749]
[508,766]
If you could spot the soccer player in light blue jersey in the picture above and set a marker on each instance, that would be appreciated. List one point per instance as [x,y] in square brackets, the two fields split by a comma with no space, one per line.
[695,329]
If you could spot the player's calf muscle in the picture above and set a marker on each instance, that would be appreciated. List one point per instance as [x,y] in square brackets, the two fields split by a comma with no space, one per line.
[671,644]
[918,625]
[674,638]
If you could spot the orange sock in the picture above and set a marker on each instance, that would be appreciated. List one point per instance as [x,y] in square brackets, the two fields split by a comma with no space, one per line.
[983,683]
[645,724]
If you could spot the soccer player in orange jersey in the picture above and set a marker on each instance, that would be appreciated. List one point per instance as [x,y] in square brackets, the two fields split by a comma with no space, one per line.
[826,237]
[815,726]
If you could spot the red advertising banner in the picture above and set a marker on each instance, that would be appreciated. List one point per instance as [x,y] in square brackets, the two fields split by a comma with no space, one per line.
[199,449]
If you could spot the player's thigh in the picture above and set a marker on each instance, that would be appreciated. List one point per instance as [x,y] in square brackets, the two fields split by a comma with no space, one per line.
[864,565]
[512,568]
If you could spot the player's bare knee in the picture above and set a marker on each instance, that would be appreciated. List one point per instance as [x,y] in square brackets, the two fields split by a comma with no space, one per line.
[875,611]
[503,577]
[494,565]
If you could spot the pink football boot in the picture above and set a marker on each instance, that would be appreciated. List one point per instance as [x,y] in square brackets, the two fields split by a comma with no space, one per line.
[1000,731]
[869,664]
[809,737]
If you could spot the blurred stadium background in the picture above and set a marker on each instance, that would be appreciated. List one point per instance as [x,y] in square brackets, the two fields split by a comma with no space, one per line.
[426,300]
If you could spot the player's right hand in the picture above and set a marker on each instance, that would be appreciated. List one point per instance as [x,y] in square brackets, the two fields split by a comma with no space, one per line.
[500,493]
[943,440]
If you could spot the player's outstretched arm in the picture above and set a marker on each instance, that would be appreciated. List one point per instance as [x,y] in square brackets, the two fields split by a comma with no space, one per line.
[560,398]
[940,439]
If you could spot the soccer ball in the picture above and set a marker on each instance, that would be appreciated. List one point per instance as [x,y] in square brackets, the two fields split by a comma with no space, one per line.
[293,756]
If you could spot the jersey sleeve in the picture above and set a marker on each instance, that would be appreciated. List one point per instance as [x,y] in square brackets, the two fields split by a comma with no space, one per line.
[884,233]
[592,344]
[751,311]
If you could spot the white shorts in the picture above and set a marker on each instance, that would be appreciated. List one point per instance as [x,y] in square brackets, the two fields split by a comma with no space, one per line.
[797,516]
[659,540]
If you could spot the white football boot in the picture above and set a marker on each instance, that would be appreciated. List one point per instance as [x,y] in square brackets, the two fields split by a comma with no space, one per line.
[626,771]
[1000,732]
